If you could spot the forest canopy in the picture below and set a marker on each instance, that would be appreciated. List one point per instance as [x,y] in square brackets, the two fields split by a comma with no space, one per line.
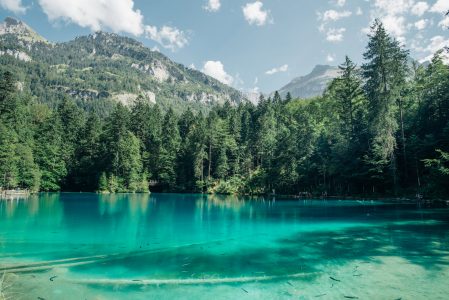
[381,128]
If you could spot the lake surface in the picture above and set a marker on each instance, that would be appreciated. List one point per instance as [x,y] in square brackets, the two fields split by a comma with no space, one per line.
[169,246]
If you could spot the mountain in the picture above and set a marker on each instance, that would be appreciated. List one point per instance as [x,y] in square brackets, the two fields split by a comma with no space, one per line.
[312,84]
[252,96]
[104,68]
[21,30]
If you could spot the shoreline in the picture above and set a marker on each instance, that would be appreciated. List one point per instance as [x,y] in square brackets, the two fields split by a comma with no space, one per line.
[11,195]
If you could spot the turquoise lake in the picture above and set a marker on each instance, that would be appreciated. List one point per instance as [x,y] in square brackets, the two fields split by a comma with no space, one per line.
[178,246]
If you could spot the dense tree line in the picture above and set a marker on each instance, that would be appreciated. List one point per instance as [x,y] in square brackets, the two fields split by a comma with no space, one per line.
[379,129]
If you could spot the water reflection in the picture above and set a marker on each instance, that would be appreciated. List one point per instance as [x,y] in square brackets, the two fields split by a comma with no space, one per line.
[129,205]
[32,206]
[95,223]
[136,204]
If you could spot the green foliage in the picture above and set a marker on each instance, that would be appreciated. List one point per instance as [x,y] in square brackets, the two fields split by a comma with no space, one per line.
[170,145]
[29,174]
[232,186]
[113,184]
[8,166]
[255,182]
[50,154]
[441,164]
[143,185]
[103,184]
[385,73]
[94,70]
[373,132]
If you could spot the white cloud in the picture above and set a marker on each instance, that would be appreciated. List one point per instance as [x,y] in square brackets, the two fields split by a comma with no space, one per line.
[255,14]
[335,34]
[359,11]
[216,70]
[117,15]
[393,7]
[15,6]
[330,58]
[333,15]
[365,30]
[436,43]
[395,25]
[444,23]
[169,37]
[213,5]
[238,82]
[392,14]
[441,6]
[280,69]
[420,8]
[255,89]
[341,2]
[421,24]
[332,34]
[192,66]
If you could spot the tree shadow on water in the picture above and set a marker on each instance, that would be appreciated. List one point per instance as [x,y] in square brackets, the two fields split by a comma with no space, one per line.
[426,245]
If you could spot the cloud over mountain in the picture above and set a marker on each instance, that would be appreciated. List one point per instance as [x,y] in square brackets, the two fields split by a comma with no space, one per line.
[216,70]
[115,15]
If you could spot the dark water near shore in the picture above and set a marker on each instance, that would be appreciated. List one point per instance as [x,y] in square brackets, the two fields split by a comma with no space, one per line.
[175,246]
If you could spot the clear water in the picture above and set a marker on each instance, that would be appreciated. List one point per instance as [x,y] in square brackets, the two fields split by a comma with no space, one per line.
[168,246]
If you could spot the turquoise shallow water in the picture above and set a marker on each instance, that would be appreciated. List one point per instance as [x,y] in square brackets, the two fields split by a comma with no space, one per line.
[170,246]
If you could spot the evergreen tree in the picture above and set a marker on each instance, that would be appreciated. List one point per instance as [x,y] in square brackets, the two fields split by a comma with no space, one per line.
[29,175]
[49,152]
[277,98]
[385,73]
[153,142]
[169,150]
[72,122]
[8,159]
[103,185]
[349,98]
[88,166]
[8,98]
[128,163]
[385,132]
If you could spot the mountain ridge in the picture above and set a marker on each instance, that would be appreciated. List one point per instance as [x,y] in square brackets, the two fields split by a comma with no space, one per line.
[19,28]
[312,84]
[108,66]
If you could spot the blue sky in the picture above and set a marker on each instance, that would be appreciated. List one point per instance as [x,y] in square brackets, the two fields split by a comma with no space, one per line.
[249,44]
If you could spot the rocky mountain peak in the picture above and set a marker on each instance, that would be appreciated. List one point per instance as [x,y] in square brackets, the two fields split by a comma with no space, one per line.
[312,84]
[21,30]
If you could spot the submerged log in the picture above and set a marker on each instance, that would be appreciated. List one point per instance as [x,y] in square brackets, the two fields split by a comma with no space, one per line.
[334,279]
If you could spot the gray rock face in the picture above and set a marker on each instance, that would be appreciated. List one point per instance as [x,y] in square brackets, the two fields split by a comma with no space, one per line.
[312,84]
